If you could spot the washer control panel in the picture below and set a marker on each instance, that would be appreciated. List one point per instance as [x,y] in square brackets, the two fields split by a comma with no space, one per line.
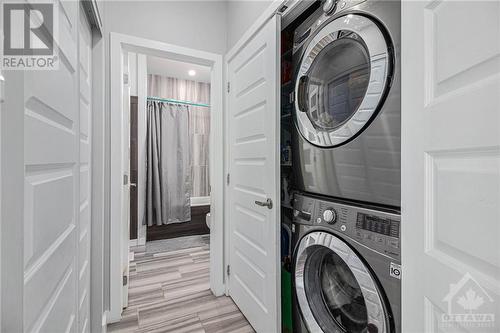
[375,229]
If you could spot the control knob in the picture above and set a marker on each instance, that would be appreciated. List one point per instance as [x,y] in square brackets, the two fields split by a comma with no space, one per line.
[330,216]
[329,6]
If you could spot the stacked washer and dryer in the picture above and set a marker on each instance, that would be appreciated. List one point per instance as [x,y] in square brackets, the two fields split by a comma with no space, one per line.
[346,160]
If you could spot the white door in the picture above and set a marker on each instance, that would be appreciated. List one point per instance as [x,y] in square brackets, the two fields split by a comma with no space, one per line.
[451,166]
[57,152]
[253,112]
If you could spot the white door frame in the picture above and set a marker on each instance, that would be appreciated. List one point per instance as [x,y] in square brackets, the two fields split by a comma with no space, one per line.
[118,43]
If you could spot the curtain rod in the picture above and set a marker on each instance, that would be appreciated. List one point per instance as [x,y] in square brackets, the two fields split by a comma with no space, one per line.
[175,101]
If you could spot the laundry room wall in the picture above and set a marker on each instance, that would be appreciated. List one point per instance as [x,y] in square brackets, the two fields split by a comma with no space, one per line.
[240,16]
[196,24]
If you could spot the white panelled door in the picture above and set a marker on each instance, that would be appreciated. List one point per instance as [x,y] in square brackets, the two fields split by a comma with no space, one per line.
[57,154]
[253,112]
[451,166]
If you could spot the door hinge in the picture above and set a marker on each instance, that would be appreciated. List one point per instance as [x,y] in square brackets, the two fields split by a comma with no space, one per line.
[228,270]
[2,88]
[227,179]
[228,87]
[125,78]
[125,280]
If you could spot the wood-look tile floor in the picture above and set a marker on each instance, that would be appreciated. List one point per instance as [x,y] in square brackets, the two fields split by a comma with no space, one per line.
[170,292]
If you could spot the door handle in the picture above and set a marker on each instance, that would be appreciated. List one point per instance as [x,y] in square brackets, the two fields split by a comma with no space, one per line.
[268,203]
[301,93]
[133,184]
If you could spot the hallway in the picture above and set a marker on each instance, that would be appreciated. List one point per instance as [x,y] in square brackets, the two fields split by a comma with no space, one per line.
[170,292]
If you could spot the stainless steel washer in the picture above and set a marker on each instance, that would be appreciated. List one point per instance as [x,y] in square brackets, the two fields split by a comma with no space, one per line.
[347,268]
[347,102]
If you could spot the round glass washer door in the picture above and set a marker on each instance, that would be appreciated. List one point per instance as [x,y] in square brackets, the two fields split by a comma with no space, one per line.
[335,290]
[341,80]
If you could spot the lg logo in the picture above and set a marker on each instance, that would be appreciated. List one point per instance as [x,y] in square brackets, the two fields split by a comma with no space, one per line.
[28,29]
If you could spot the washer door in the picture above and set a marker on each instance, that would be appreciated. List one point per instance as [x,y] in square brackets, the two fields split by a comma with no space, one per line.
[335,290]
[341,80]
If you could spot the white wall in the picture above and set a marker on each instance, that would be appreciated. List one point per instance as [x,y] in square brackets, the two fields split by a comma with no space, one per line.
[213,26]
[132,75]
[196,24]
[240,16]
[178,69]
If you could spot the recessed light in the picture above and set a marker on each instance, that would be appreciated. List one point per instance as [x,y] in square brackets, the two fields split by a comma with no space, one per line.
[191,72]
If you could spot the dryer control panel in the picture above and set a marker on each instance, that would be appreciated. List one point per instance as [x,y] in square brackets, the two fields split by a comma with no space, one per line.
[376,229]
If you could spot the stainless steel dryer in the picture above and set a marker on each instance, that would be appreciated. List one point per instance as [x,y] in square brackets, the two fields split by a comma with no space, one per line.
[347,101]
[347,273]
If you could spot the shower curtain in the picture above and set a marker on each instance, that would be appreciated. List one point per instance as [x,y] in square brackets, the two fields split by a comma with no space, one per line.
[199,123]
[168,164]
[190,160]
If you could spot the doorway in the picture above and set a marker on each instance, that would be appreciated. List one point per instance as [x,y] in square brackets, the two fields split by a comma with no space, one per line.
[168,157]
[169,148]
[123,262]
[178,120]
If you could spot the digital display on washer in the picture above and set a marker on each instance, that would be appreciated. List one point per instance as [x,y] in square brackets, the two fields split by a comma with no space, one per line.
[378,224]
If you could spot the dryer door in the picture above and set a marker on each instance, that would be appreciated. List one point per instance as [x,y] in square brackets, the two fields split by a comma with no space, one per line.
[335,291]
[341,80]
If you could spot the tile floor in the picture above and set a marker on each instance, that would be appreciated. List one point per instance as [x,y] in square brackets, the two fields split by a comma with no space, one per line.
[170,292]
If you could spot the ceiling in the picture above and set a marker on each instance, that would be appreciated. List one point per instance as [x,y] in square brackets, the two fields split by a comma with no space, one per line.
[177,69]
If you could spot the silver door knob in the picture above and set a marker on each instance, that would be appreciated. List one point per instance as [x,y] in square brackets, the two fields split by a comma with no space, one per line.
[268,203]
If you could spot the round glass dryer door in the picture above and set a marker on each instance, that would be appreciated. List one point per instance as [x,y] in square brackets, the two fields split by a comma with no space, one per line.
[341,80]
[335,290]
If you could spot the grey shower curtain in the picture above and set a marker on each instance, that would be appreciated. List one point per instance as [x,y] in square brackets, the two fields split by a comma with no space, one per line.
[199,123]
[168,188]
